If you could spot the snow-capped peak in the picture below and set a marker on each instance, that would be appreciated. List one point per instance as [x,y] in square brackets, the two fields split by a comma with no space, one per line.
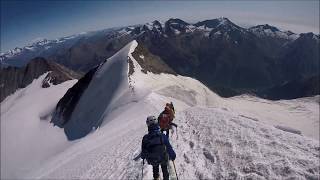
[264,27]
[11,53]
[310,35]
[219,26]
[40,41]
[177,21]
[156,23]
[224,21]
[21,56]
[15,50]
[155,26]
[271,31]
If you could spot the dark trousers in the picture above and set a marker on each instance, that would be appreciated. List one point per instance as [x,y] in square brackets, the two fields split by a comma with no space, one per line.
[164,169]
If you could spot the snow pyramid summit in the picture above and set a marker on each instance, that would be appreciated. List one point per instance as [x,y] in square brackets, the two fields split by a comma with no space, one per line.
[108,82]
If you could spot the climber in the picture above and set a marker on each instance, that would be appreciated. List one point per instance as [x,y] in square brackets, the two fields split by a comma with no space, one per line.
[156,149]
[166,117]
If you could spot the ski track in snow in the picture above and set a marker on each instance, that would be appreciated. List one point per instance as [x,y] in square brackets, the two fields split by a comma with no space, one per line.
[217,138]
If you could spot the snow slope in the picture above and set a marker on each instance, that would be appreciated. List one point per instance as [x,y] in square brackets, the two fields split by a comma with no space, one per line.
[215,138]
[301,114]
[27,138]
[211,143]
[218,144]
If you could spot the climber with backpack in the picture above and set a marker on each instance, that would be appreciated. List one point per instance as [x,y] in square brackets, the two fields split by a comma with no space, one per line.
[156,149]
[166,117]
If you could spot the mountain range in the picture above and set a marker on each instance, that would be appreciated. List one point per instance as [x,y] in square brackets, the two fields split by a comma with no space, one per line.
[227,58]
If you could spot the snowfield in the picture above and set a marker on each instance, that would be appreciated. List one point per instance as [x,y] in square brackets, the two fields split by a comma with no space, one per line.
[27,138]
[300,114]
[217,138]
[218,144]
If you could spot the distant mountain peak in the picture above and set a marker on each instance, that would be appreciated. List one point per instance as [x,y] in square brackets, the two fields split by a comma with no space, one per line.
[16,78]
[265,27]
[175,26]
[224,20]
[309,36]
[177,20]
[40,41]
[156,22]
[266,30]
[289,33]
[221,22]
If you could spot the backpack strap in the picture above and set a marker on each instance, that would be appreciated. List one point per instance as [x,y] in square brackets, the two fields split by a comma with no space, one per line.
[164,147]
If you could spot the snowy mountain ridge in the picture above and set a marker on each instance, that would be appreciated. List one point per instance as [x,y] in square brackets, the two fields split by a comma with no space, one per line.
[36,48]
[176,25]
[219,24]
[267,30]
[243,61]
[216,137]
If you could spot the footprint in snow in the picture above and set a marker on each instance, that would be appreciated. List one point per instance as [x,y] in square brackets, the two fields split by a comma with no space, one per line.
[208,155]
[186,159]
[191,144]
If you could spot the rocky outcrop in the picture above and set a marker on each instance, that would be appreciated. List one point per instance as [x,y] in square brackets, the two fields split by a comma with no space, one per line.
[150,62]
[300,58]
[13,78]
[305,87]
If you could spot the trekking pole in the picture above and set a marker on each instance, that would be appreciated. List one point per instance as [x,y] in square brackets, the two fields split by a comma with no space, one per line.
[142,168]
[177,132]
[174,166]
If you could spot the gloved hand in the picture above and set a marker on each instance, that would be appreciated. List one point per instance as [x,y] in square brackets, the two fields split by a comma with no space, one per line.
[172,158]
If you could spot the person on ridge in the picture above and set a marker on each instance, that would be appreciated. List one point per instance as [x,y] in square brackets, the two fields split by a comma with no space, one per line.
[166,117]
[157,149]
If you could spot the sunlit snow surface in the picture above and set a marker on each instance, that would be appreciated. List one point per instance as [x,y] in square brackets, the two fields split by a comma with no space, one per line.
[27,138]
[217,138]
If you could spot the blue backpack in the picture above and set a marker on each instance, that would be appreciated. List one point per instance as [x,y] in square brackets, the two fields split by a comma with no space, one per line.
[156,152]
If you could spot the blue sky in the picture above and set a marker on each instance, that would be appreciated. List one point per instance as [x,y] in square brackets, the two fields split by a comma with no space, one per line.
[24,21]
